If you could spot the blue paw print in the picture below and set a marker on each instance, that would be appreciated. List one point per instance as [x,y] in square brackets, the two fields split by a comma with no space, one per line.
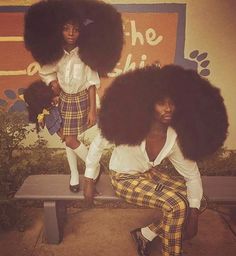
[17,105]
[201,61]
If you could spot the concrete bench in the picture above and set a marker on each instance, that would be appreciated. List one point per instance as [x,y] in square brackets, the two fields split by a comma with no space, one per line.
[54,191]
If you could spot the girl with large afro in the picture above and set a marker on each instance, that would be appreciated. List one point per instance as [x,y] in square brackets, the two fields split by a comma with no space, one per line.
[74,41]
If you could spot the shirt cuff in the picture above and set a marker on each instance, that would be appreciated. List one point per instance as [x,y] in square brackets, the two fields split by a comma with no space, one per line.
[91,83]
[92,173]
[194,203]
[48,79]
[93,79]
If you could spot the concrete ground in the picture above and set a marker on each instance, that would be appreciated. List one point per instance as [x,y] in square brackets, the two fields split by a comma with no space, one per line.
[105,232]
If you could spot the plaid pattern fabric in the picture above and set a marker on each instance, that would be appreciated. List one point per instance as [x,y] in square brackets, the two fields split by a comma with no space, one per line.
[53,120]
[156,190]
[74,112]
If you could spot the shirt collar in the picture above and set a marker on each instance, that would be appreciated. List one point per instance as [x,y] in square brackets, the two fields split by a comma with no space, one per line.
[170,141]
[72,52]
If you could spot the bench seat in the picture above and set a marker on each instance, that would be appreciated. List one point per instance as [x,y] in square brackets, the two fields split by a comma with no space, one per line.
[56,187]
[54,191]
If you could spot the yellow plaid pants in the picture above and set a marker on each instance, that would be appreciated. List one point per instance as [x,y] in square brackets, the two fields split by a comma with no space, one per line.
[157,190]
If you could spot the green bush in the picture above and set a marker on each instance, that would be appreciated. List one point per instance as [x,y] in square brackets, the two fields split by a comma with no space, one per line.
[221,163]
[18,161]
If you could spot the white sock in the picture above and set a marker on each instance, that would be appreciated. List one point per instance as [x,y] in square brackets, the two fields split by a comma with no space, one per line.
[72,161]
[148,233]
[81,151]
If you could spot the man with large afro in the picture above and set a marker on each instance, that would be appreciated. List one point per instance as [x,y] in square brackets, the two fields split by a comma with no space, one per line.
[151,114]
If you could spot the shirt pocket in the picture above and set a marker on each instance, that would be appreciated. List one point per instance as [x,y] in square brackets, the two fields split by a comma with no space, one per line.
[77,71]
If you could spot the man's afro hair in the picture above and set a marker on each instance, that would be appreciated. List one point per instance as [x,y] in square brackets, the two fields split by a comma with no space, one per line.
[101,32]
[200,118]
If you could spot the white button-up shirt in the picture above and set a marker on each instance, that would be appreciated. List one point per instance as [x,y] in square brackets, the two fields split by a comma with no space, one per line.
[134,159]
[72,74]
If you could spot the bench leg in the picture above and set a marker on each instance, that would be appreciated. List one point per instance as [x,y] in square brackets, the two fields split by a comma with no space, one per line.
[233,214]
[54,216]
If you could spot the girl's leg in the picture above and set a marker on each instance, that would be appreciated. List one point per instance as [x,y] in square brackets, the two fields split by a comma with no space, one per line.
[74,148]
[142,190]
[72,161]
[78,147]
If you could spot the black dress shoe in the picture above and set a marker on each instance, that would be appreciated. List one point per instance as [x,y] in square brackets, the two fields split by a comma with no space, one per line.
[142,244]
[74,188]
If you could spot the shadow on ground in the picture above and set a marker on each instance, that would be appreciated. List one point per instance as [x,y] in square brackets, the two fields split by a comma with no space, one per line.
[105,232]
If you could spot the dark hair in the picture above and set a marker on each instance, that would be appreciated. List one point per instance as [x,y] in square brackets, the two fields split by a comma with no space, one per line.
[42,31]
[127,107]
[38,96]
[200,117]
[101,32]
[69,13]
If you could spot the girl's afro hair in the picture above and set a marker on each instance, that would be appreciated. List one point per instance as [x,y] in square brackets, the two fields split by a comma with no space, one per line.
[101,32]
[200,118]
[37,96]
[42,32]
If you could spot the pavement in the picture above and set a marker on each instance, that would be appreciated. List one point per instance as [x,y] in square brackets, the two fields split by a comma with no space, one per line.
[105,232]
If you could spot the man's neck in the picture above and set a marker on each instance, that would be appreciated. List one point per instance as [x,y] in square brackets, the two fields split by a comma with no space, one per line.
[158,128]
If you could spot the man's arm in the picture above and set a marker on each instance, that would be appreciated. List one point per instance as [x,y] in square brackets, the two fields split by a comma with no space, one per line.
[189,170]
[93,167]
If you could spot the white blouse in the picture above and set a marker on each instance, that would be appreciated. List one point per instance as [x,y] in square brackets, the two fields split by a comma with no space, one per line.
[134,159]
[72,74]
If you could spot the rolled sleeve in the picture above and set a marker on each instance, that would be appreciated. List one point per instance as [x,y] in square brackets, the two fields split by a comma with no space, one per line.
[92,78]
[48,73]
[189,170]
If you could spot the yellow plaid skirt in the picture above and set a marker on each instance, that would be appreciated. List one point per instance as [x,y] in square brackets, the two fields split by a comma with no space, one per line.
[74,112]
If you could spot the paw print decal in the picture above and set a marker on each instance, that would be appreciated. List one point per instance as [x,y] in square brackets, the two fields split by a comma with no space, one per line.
[12,100]
[202,62]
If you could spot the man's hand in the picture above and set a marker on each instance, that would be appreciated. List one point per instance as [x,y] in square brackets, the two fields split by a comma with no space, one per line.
[89,191]
[191,227]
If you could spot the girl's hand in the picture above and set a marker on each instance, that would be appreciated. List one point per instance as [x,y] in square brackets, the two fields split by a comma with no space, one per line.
[92,118]
[55,87]
[55,101]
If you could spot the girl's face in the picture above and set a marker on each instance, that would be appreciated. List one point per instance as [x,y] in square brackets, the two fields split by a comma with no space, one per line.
[164,110]
[70,33]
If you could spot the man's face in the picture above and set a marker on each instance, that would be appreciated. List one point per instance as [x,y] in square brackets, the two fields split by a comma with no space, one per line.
[164,110]
[70,33]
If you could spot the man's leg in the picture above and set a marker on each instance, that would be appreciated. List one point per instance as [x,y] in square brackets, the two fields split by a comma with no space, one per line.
[142,190]
[176,182]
